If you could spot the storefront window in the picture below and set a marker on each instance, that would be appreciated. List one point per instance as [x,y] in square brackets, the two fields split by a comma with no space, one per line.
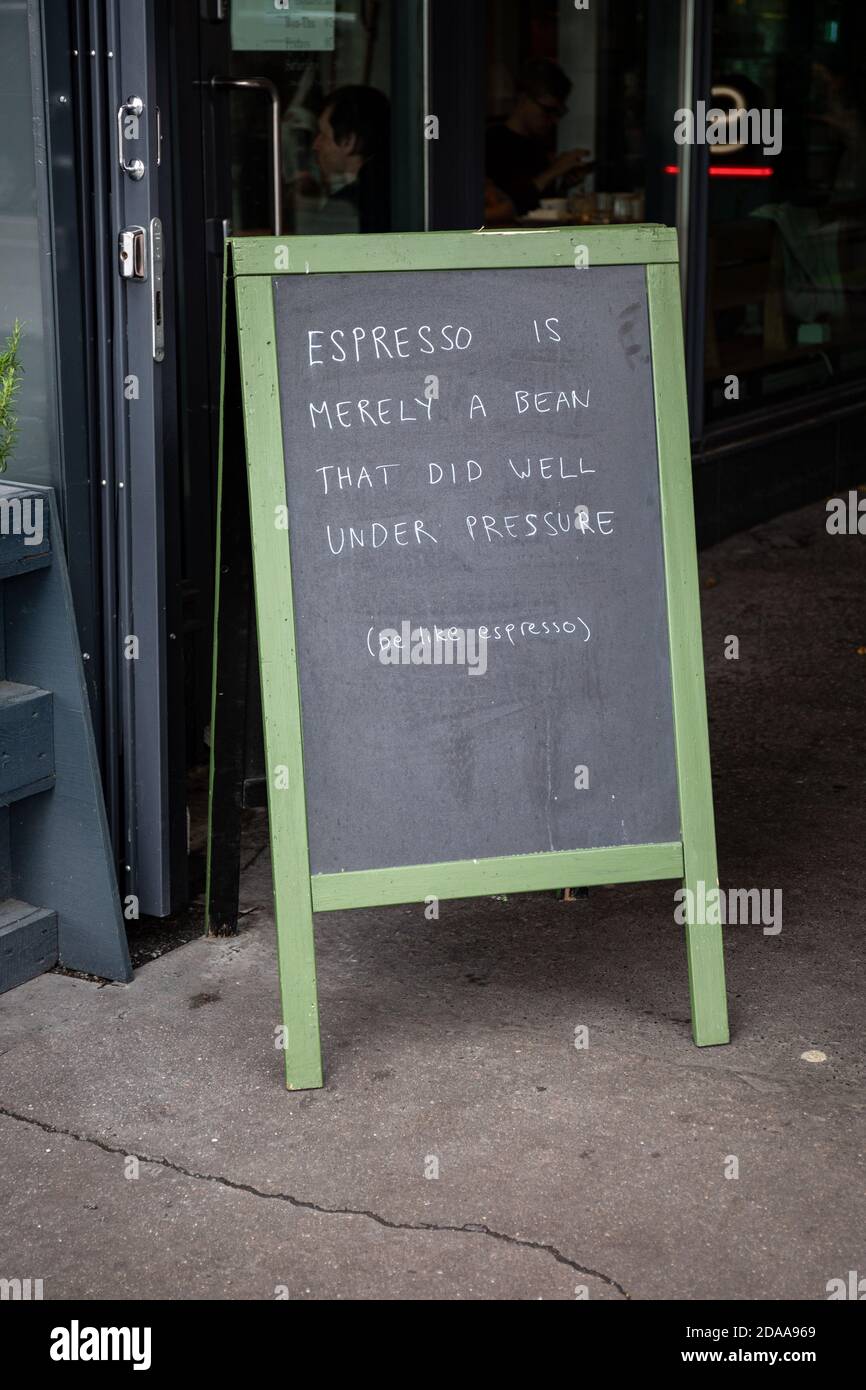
[569,135]
[330,68]
[786,272]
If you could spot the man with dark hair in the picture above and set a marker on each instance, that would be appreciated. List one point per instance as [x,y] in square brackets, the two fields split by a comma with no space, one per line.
[352,149]
[519,161]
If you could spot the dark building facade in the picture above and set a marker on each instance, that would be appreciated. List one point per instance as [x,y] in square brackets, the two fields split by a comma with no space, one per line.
[138,134]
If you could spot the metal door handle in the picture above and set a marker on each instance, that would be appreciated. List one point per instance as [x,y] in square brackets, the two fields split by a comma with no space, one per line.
[264,84]
[133,106]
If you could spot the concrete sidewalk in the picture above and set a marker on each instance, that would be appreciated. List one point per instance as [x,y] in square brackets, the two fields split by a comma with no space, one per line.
[449,1045]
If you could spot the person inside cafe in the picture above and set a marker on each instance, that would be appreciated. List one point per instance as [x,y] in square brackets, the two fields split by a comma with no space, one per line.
[520,160]
[352,152]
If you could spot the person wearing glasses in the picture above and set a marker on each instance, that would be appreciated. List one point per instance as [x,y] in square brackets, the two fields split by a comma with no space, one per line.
[518,156]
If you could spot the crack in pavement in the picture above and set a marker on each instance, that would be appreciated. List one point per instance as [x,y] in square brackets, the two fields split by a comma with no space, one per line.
[468,1228]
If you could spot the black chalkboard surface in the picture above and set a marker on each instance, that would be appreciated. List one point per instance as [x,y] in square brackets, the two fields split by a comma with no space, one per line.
[476,451]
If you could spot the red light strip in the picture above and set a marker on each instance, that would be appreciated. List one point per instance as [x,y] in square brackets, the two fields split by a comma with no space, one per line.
[731,171]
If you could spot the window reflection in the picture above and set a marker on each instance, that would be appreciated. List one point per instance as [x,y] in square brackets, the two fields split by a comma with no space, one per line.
[333,74]
[785,300]
[347,188]
[566,96]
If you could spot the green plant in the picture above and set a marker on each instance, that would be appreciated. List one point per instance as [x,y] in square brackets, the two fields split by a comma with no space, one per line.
[11,373]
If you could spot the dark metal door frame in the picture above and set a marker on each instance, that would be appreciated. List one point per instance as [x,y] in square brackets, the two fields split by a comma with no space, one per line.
[455,75]
[150,685]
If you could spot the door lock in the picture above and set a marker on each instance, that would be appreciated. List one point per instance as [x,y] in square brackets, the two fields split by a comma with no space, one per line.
[133,253]
[141,253]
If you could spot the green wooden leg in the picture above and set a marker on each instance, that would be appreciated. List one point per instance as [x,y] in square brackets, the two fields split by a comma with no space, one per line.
[706,976]
[703,942]
[281,701]
[293,899]
[298,993]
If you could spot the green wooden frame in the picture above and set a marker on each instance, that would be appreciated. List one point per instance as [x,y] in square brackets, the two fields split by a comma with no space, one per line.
[297,893]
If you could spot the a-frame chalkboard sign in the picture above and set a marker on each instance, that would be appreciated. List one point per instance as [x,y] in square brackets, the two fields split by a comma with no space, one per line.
[476,590]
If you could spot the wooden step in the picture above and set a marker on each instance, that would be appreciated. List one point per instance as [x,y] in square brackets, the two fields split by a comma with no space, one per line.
[28,942]
[26,741]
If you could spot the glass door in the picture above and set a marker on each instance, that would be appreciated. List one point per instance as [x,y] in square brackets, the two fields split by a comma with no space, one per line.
[304,117]
[309,91]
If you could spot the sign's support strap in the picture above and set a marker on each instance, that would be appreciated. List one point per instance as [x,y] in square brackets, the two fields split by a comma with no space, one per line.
[233,618]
